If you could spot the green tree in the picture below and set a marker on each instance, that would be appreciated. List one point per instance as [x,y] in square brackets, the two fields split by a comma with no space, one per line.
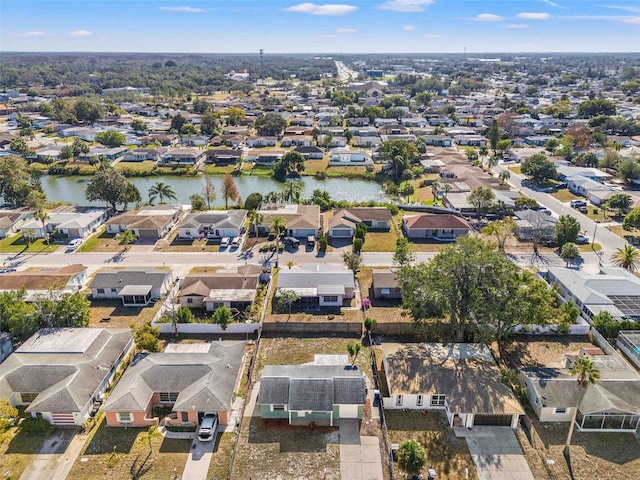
[493,134]
[411,457]
[595,107]
[539,169]
[146,337]
[107,185]
[161,191]
[404,254]
[110,138]
[14,180]
[253,201]
[357,245]
[234,115]
[322,198]
[354,350]
[138,126]
[19,145]
[270,124]
[209,122]
[198,203]
[620,202]
[504,175]
[177,122]
[255,219]
[627,257]
[291,191]
[131,195]
[569,252]
[526,203]
[229,190]
[79,146]
[400,153]
[566,230]
[127,238]
[222,316]
[628,169]
[471,154]
[184,315]
[291,165]
[586,374]
[632,219]
[209,191]
[188,129]
[352,261]
[8,414]
[500,230]
[286,299]
[88,111]
[481,198]
[503,145]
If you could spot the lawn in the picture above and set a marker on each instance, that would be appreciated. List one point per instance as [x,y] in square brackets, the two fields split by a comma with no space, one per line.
[112,452]
[101,241]
[146,166]
[311,167]
[516,169]
[286,452]
[120,316]
[381,311]
[295,351]
[597,214]
[17,244]
[219,169]
[446,453]
[221,458]
[565,195]
[16,451]
[633,237]
[381,241]
[175,244]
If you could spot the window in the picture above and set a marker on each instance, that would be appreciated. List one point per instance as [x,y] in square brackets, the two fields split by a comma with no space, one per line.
[399,401]
[330,298]
[561,411]
[168,397]
[125,417]
[189,300]
[278,407]
[28,397]
[437,400]
[420,400]
[101,290]
[114,290]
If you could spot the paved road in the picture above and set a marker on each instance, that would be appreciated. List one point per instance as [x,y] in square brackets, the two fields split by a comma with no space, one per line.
[609,241]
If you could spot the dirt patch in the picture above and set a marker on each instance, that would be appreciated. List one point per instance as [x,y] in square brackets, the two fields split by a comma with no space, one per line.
[112,314]
[344,316]
[549,352]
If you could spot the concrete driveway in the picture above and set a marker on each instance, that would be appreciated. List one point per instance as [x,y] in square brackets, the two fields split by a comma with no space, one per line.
[496,453]
[56,456]
[199,459]
[359,455]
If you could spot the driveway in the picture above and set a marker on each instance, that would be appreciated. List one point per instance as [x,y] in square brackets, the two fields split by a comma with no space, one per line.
[496,453]
[199,459]
[56,456]
[359,455]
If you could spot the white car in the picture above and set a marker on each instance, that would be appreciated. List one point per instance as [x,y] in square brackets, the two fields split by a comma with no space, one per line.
[235,242]
[208,427]
[225,242]
[73,244]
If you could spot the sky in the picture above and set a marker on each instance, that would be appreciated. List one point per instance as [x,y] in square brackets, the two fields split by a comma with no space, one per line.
[337,26]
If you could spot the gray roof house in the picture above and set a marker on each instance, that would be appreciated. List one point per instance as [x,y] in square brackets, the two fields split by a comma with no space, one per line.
[614,290]
[59,374]
[322,284]
[385,284]
[193,379]
[533,224]
[612,404]
[134,286]
[73,221]
[310,393]
[212,224]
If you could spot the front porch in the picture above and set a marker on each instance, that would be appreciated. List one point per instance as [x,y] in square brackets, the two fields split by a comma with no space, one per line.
[613,421]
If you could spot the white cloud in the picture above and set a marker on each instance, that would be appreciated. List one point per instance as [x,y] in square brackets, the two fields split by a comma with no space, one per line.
[488,17]
[553,4]
[328,9]
[433,35]
[517,25]
[80,33]
[534,15]
[632,20]
[408,28]
[623,7]
[183,9]
[407,5]
[34,34]
[346,30]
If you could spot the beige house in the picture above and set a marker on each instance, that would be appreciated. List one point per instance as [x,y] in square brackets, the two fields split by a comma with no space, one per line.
[152,221]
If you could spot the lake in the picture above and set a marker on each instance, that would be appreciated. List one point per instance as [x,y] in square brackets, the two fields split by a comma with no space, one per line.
[70,189]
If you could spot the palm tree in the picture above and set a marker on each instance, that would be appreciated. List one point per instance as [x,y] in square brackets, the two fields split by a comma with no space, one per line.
[256,219]
[627,257]
[504,175]
[278,224]
[161,190]
[483,151]
[586,374]
[446,187]
[291,191]
[42,216]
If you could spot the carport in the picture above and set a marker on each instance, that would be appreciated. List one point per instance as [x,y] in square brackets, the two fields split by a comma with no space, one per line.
[136,295]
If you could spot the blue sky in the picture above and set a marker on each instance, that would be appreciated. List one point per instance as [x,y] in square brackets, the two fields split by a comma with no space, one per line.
[336,26]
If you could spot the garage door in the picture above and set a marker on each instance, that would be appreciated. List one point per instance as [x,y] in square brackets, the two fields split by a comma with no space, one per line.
[495,420]
[348,411]
[340,232]
[148,233]
[62,419]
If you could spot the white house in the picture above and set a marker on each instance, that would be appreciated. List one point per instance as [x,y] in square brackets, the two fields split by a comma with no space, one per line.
[134,286]
[72,221]
[349,157]
[318,285]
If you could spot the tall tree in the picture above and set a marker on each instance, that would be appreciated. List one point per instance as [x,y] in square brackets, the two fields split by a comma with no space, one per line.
[353,349]
[256,218]
[110,138]
[569,252]
[209,190]
[539,169]
[586,374]
[229,190]
[628,169]
[493,134]
[632,219]
[286,299]
[400,153]
[627,257]
[566,230]
[500,230]
[107,185]
[198,203]
[161,191]
[291,165]
[270,124]
[291,191]
[411,457]
[481,198]
[352,261]
[404,254]
[620,202]
[131,195]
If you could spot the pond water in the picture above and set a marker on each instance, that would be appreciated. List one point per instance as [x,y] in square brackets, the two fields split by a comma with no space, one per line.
[71,188]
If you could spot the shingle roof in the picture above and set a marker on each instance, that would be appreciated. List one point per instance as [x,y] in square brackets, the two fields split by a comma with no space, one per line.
[112,278]
[435,221]
[385,278]
[40,278]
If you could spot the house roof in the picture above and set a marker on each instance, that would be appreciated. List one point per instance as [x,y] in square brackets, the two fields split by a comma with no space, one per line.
[296,216]
[357,215]
[243,279]
[311,387]
[40,278]
[113,278]
[465,373]
[435,221]
[215,219]
[315,275]
[205,381]
[385,278]
[64,366]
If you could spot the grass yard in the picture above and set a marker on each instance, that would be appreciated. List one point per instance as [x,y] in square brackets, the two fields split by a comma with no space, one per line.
[17,450]
[633,237]
[446,453]
[345,316]
[146,166]
[521,351]
[565,195]
[516,169]
[381,311]
[221,458]
[175,244]
[311,167]
[259,170]
[295,453]
[17,244]
[597,214]
[381,241]
[112,452]
[118,315]
[219,169]
[294,351]
[101,241]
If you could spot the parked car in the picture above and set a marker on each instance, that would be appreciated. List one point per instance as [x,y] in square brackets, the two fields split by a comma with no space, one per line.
[291,241]
[582,239]
[235,242]
[583,209]
[208,427]
[225,242]
[73,244]
[578,203]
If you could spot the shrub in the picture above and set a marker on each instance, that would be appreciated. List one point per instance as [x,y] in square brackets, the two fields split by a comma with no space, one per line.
[322,244]
[369,323]
[357,245]
[35,426]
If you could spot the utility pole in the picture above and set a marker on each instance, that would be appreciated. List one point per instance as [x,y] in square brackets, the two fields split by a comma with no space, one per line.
[261,63]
